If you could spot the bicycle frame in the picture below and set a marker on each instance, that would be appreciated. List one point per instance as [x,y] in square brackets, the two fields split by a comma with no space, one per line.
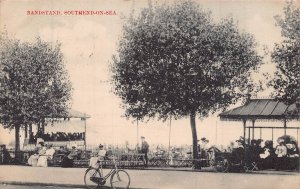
[111,172]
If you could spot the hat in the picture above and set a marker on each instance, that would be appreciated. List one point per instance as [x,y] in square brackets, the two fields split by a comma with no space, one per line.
[204,139]
[142,137]
[280,140]
[100,145]
[74,145]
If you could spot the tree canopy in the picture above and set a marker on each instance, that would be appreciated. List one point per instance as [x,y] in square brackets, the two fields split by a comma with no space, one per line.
[34,82]
[159,50]
[286,55]
[175,60]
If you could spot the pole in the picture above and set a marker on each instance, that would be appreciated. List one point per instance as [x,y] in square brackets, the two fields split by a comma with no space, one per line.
[85,132]
[244,129]
[284,125]
[297,137]
[169,137]
[216,136]
[253,122]
[137,135]
[249,131]
[272,134]
[260,133]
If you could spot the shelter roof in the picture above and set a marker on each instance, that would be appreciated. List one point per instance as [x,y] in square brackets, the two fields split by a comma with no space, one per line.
[262,109]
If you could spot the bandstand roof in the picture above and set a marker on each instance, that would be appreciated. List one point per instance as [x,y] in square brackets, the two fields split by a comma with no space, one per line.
[262,109]
[77,114]
[73,114]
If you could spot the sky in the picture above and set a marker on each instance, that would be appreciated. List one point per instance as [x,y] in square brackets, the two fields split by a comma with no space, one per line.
[88,43]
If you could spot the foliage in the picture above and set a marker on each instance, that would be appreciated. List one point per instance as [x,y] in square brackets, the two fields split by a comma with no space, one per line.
[286,56]
[34,82]
[174,59]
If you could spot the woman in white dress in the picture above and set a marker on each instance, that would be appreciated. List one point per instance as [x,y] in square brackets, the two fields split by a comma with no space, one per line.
[42,162]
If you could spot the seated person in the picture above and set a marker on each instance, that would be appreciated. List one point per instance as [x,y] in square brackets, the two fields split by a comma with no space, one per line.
[292,150]
[33,159]
[281,152]
[68,161]
[109,152]
[238,153]
[293,155]
[5,157]
[101,155]
[267,156]
[42,161]
[50,152]
[62,150]
[254,151]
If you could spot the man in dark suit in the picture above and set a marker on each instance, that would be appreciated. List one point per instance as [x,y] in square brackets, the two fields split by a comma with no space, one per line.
[145,149]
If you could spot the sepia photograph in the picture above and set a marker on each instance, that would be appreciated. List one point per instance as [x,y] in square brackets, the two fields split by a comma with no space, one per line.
[149,94]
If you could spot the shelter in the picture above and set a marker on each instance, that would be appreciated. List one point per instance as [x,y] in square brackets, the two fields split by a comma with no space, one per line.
[73,123]
[263,109]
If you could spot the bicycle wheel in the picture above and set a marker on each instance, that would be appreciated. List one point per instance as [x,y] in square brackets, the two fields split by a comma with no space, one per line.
[91,178]
[120,179]
[221,164]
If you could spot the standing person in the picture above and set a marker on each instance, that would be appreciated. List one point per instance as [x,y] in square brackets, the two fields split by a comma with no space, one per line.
[145,149]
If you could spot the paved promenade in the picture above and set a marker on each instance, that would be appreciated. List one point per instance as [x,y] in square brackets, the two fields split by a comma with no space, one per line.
[165,179]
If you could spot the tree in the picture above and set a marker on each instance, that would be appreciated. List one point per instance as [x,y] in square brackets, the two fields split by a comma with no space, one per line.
[174,61]
[34,83]
[286,56]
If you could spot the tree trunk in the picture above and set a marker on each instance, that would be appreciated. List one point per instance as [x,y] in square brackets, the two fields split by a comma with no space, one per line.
[195,139]
[17,141]
[26,131]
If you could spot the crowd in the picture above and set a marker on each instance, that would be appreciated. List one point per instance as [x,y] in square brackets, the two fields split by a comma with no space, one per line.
[285,156]
[45,153]
[58,136]
[41,155]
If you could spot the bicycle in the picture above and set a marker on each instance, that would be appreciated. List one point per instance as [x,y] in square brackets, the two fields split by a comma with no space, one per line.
[94,177]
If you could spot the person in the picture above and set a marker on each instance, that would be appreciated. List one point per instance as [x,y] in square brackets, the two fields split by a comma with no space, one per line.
[145,149]
[281,152]
[292,150]
[33,159]
[68,161]
[50,152]
[109,152]
[5,156]
[42,161]
[100,157]
[293,155]
[203,148]
[238,152]
[267,156]
[102,153]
